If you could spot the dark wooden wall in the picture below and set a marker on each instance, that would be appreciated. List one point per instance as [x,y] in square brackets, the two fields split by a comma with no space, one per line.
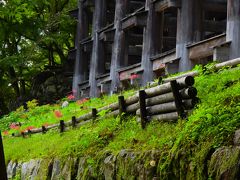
[138,38]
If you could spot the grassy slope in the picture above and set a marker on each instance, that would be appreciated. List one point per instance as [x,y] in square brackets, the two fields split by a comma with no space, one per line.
[211,125]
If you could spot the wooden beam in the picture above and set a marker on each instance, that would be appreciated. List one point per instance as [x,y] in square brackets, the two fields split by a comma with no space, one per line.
[107,36]
[139,19]
[205,48]
[159,62]
[161,5]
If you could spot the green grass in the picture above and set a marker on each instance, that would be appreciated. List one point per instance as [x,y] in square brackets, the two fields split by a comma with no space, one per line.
[37,116]
[104,135]
[190,141]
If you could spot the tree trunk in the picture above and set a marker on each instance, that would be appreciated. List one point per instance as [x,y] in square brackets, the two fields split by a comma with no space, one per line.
[13,77]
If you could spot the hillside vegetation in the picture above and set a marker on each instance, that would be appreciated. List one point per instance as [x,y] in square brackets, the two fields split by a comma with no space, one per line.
[188,142]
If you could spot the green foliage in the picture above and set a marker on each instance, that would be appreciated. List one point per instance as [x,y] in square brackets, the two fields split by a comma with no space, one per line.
[33,34]
[185,146]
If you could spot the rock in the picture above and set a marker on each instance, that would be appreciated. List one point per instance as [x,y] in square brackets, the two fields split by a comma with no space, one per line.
[109,167]
[30,169]
[45,169]
[132,165]
[51,87]
[56,170]
[225,164]
[236,138]
[66,170]
[81,168]
[11,169]
[65,104]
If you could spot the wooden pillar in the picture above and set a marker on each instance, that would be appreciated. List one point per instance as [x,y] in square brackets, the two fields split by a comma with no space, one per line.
[198,20]
[81,32]
[158,33]
[96,60]
[233,27]
[118,44]
[184,34]
[148,43]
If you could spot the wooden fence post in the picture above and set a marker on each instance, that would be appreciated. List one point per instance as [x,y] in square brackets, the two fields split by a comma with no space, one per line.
[74,121]
[62,126]
[94,114]
[29,132]
[3,170]
[44,129]
[177,98]
[122,107]
[143,109]
[23,134]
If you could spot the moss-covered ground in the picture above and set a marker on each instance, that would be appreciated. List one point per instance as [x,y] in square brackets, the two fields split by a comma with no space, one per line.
[187,142]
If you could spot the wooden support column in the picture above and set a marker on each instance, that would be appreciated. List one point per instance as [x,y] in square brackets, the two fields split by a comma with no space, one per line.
[118,44]
[184,34]
[198,20]
[3,170]
[96,59]
[158,33]
[148,43]
[81,32]
[233,27]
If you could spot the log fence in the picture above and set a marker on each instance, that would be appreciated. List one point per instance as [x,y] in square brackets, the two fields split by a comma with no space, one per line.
[165,102]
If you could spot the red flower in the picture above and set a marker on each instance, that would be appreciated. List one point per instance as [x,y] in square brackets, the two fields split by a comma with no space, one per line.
[58,114]
[134,76]
[5,133]
[71,97]
[14,126]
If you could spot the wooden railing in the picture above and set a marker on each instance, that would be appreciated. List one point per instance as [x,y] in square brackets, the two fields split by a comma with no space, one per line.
[165,102]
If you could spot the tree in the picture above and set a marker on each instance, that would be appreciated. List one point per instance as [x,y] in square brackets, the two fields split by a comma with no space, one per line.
[33,34]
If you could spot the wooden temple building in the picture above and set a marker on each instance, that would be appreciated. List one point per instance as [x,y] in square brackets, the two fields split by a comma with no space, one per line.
[121,40]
